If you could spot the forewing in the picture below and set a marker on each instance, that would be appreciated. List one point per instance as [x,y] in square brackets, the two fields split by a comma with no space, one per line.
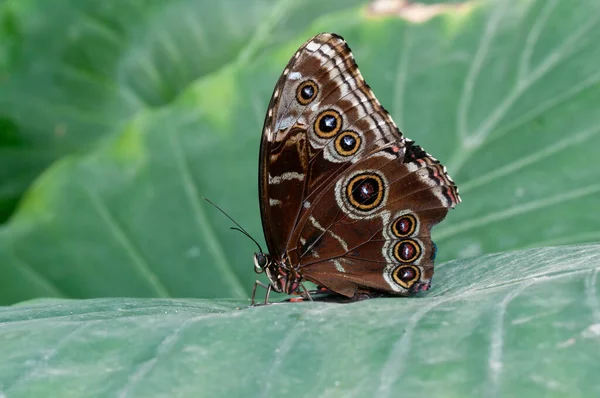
[322,119]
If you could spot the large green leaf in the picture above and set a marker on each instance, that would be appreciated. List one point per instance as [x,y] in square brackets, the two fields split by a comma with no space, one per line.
[71,71]
[520,324]
[505,93]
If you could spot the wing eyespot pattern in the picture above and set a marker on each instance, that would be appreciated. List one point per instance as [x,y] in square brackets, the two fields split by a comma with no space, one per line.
[404,226]
[407,251]
[406,275]
[347,143]
[306,92]
[365,191]
[328,123]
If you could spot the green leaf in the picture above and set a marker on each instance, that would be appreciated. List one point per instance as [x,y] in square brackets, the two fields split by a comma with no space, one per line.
[503,93]
[520,324]
[72,72]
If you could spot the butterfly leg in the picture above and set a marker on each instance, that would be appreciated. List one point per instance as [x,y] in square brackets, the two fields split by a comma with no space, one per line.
[268,287]
[306,292]
[303,296]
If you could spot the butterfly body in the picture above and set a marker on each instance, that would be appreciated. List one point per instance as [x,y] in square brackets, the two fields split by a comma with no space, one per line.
[347,202]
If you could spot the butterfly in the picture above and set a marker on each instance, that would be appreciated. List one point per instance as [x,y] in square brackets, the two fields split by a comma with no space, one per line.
[347,202]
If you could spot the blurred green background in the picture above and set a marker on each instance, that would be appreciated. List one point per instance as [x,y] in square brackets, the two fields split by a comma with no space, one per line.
[116,117]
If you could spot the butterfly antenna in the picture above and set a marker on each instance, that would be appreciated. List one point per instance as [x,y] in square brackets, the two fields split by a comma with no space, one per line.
[239,227]
[248,235]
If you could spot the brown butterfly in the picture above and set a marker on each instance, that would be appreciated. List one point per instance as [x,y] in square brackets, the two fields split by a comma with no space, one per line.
[347,202]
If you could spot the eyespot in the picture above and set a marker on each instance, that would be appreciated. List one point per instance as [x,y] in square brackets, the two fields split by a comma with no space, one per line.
[328,124]
[347,143]
[365,191]
[306,92]
[404,226]
[406,275]
[407,251]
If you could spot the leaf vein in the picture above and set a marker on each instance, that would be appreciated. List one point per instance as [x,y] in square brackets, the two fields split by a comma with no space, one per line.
[474,69]
[516,210]
[37,277]
[591,294]
[578,138]
[126,241]
[45,357]
[165,346]
[283,348]
[395,364]
[264,31]
[533,37]
[495,364]
[191,191]
[401,73]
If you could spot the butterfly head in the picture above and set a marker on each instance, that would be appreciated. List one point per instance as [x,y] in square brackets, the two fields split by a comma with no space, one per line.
[282,278]
[261,262]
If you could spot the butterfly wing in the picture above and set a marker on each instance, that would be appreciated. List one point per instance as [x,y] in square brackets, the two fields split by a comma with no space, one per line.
[322,118]
[371,229]
[345,198]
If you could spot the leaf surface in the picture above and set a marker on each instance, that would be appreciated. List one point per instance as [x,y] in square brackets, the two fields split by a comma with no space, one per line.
[525,323]
[502,93]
